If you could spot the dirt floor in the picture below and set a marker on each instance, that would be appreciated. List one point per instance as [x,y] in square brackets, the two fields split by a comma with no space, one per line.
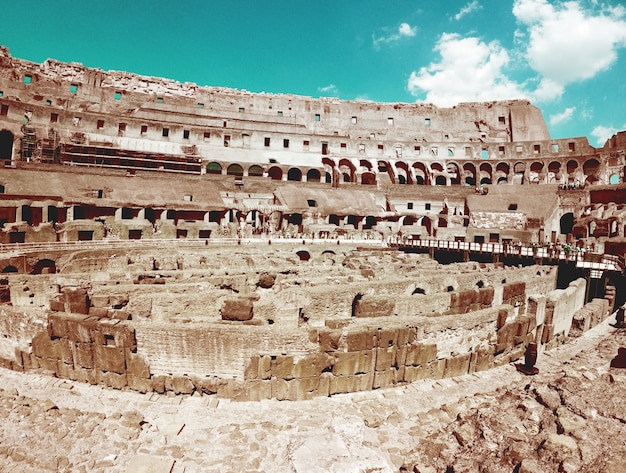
[568,418]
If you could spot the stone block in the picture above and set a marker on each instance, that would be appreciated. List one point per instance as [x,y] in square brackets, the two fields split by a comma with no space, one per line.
[513,291]
[548,333]
[503,314]
[351,384]
[254,390]
[57,305]
[406,335]
[457,365]
[482,359]
[110,359]
[114,333]
[158,383]
[83,355]
[384,379]
[329,339]
[282,367]
[486,296]
[142,385]
[112,380]
[49,364]
[85,375]
[118,314]
[374,306]
[75,299]
[212,384]
[386,338]
[352,363]
[460,301]
[506,335]
[81,329]
[385,358]
[98,312]
[65,371]
[137,365]
[182,385]
[420,353]
[431,370]
[237,309]
[312,366]
[99,301]
[359,341]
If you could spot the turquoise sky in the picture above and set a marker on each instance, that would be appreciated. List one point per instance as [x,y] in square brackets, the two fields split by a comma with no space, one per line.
[569,58]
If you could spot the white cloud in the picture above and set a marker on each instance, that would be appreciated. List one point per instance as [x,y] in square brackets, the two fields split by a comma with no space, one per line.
[470,70]
[403,31]
[602,133]
[330,89]
[467,9]
[566,43]
[562,117]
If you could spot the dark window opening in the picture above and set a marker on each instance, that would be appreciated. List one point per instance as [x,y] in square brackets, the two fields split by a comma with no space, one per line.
[226,141]
[266,141]
[4,110]
[409,205]
[100,124]
[311,202]
[512,206]
[144,129]
[427,206]
[54,117]
[166,132]
[286,143]
[185,134]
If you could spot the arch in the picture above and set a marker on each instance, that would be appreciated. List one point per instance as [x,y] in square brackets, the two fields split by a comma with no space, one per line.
[6,145]
[567,223]
[469,174]
[485,173]
[441,180]
[554,172]
[347,169]
[368,178]
[214,168]
[44,266]
[365,164]
[536,172]
[369,222]
[234,170]
[421,174]
[436,167]
[385,168]
[408,220]
[428,224]
[614,179]
[255,170]
[275,173]
[328,179]
[10,269]
[295,219]
[333,219]
[485,181]
[313,175]
[303,255]
[294,174]
[572,167]
[519,167]
[404,174]
[591,170]
[454,172]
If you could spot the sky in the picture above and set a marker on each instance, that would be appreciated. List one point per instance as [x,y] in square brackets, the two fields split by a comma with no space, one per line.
[568,58]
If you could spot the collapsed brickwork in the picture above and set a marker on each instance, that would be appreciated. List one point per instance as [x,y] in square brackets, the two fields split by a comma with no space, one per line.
[346,321]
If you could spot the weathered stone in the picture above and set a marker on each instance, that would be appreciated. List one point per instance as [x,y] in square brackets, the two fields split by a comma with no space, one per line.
[110,359]
[420,353]
[136,365]
[237,309]
[352,363]
[374,306]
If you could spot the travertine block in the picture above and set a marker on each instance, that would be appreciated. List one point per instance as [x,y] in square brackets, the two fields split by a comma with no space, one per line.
[385,358]
[312,366]
[136,365]
[352,363]
[457,365]
[110,359]
[420,353]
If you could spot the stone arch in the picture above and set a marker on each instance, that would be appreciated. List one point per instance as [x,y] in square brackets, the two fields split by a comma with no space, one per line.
[436,167]
[347,169]
[427,223]
[44,266]
[368,178]
[536,172]
[469,174]
[234,170]
[365,164]
[572,167]
[303,255]
[567,223]
[214,168]
[10,269]
[255,170]
[454,172]
[441,180]
[485,173]
[275,173]
[421,174]
[294,174]
[6,145]
[313,175]
[591,170]
[554,172]
[369,222]
[408,220]
[404,173]
[385,168]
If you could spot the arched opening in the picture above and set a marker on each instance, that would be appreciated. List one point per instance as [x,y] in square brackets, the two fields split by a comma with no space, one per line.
[328,179]
[295,219]
[370,221]
[214,168]
[6,145]
[614,179]
[255,170]
[469,174]
[554,172]
[441,180]
[234,170]
[9,269]
[567,223]
[44,266]
[333,219]
[368,178]
[591,169]
[485,172]
[421,174]
[294,174]
[536,172]
[27,214]
[426,223]
[454,173]
[404,175]
[275,173]
[313,175]
[572,167]
[304,255]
